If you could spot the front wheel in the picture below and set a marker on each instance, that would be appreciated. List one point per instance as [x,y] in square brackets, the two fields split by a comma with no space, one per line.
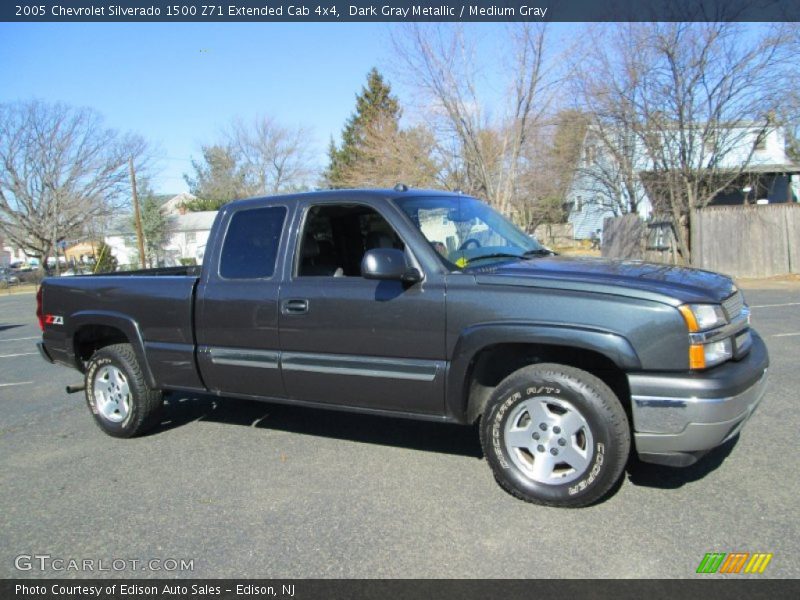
[117,393]
[555,435]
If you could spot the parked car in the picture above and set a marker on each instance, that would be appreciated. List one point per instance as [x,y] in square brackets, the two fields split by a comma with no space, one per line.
[424,305]
[26,273]
[8,277]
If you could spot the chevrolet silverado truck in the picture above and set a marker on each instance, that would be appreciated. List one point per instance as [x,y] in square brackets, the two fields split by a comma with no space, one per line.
[424,305]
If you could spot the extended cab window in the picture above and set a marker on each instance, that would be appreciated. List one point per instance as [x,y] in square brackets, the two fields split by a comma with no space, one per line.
[335,238]
[251,243]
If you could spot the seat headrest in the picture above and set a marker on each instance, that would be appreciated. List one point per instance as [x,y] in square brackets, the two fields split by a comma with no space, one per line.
[310,247]
[376,239]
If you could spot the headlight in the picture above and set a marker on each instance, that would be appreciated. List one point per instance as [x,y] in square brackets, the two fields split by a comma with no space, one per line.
[704,356]
[702,317]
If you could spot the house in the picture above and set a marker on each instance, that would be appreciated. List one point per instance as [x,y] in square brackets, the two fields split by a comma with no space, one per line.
[81,252]
[595,193]
[12,255]
[188,234]
[176,204]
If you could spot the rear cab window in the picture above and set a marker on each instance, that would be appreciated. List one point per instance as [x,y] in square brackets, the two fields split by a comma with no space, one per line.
[250,248]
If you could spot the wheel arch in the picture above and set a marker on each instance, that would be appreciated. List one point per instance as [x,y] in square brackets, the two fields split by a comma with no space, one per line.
[485,355]
[93,330]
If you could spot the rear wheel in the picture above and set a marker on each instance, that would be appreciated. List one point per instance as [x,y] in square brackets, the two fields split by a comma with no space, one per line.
[555,435]
[117,394]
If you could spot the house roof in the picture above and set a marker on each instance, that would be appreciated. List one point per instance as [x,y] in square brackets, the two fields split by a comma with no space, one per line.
[193,221]
[759,169]
[173,205]
[774,168]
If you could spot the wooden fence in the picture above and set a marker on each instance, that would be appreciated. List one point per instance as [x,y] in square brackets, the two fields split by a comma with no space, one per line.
[623,237]
[741,241]
[748,241]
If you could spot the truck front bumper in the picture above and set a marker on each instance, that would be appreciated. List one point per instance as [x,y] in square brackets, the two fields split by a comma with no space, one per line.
[677,418]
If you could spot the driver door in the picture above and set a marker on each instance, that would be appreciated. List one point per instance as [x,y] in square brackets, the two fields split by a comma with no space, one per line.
[352,341]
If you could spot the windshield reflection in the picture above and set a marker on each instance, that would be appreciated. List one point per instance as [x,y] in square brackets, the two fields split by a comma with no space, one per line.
[466,232]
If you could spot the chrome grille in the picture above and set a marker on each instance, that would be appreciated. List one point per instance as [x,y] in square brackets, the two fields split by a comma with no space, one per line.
[733,305]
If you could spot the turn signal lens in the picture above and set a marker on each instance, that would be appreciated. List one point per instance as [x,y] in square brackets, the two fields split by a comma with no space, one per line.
[688,316]
[697,357]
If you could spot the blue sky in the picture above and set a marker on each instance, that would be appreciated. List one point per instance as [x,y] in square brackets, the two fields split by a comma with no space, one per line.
[179,84]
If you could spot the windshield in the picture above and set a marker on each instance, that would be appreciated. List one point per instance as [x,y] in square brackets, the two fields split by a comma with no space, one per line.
[465,231]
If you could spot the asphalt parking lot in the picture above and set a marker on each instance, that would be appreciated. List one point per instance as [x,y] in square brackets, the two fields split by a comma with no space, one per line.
[257,490]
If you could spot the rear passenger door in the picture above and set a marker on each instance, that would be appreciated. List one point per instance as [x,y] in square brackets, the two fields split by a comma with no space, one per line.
[237,303]
[352,341]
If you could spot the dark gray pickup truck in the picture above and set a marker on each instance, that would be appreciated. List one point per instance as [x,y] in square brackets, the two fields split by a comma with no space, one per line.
[425,305]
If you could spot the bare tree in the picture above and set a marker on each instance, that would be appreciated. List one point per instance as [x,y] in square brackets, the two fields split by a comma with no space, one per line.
[789,119]
[608,160]
[485,155]
[275,159]
[251,158]
[551,159]
[60,169]
[688,100]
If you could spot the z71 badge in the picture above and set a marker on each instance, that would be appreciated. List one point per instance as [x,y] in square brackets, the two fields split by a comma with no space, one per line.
[54,320]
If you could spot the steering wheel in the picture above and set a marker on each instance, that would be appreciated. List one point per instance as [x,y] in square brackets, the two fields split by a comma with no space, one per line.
[470,243]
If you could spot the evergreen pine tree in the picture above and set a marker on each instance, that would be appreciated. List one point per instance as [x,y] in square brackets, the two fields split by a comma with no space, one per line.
[375,106]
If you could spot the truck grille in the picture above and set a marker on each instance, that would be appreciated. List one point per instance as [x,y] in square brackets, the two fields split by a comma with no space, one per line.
[733,305]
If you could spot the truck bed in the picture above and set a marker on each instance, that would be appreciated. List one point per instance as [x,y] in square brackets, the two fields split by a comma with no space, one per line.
[154,308]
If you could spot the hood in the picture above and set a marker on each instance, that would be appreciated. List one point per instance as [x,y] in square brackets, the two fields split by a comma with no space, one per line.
[682,283]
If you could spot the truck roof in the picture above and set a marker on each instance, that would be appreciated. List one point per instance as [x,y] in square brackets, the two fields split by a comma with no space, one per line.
[345,194]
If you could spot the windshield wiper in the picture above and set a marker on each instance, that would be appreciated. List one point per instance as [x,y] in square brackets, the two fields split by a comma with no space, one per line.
[538,252]
[526,254]
[494,255]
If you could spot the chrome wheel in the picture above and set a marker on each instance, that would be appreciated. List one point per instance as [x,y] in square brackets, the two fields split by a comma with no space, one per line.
[549,440]
[112,394]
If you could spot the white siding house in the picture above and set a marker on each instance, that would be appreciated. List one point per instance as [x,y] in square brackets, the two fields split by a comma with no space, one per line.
[769,177]
[188,236]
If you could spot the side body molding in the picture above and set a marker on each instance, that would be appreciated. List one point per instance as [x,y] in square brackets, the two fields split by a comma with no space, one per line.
[479,337]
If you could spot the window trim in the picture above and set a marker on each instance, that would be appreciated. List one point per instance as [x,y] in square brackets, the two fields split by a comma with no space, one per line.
[277,266]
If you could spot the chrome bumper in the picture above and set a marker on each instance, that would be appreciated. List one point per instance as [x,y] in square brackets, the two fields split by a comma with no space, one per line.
[695,413]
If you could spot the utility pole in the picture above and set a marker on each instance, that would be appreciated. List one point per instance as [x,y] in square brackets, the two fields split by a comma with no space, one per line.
[137,215]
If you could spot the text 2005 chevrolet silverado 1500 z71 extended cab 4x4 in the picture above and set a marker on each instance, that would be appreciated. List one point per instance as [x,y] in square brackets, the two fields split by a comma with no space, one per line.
[426,305]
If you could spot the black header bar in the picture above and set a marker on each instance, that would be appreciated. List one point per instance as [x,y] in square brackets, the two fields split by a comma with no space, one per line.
[333,11]
[708,588]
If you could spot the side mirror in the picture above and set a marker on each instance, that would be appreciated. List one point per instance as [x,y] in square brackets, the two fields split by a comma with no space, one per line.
[388,264]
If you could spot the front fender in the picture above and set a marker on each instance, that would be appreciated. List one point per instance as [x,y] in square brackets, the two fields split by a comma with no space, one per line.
[477,338]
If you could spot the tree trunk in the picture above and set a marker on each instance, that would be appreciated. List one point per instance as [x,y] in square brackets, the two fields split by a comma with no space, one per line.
[681,226]
[691,224]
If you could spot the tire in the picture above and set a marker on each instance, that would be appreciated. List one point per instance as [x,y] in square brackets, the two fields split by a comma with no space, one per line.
[555,435]
[117,394]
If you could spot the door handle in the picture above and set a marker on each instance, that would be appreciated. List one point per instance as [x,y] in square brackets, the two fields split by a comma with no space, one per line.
[295,307]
